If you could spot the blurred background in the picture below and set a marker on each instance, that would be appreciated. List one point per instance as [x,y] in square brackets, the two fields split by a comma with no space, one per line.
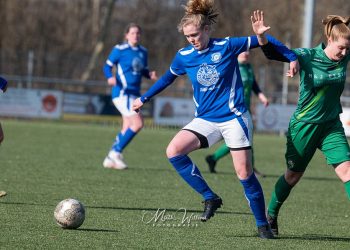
[62,44]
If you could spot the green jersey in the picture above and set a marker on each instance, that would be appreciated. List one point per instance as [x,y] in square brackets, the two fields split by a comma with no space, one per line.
[321,85]
[248,80]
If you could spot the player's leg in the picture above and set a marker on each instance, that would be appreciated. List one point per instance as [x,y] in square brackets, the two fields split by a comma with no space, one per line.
[2,193]
[222,151]
[281,191]
[252,189]
[343,172]
[192,137]
[336,149]
[302,142]
[132,123]
[238,134]
[256,171]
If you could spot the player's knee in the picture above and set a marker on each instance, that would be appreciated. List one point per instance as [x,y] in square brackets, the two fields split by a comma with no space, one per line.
[343,171]
[244,172]
[172,151]
[293,178]
[137,126]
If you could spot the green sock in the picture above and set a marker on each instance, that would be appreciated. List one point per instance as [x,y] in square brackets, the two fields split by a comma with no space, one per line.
[221,152]
[279,195]
[347,188]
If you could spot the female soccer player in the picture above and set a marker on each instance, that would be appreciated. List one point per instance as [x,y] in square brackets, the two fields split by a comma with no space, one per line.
[249,85]
[316,123]
[3,88]
[211,64]
[130,58]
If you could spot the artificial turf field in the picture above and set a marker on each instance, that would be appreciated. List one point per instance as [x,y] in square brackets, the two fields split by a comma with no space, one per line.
[42,163]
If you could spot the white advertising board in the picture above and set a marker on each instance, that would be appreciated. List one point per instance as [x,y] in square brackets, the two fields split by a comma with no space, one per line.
[82,103]
[173,111]
[32,103]
[274,118]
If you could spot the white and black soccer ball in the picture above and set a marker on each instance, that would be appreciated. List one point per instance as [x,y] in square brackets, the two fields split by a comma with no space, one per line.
[70,213]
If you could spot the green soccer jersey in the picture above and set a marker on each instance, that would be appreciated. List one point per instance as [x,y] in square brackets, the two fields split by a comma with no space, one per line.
[248,79]
[321,85]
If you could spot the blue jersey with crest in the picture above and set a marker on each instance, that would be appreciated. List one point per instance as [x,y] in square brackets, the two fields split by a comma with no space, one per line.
[131,64]
[214,72]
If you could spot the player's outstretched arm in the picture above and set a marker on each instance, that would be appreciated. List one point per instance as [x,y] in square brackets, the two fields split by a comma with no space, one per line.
[259,27]
[272,48]
[158,86]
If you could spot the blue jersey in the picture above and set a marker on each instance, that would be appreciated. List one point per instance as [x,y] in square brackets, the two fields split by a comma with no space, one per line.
[214,72]
[131,63]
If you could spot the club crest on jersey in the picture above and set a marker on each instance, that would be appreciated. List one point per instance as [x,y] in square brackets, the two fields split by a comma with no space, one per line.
[137,65]
[207,75]
[216,57]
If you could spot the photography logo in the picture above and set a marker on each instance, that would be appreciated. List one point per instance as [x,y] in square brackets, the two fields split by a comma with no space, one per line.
[174,218]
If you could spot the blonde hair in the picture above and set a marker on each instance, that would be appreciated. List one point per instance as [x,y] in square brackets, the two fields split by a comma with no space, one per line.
[336,27]
[199,13]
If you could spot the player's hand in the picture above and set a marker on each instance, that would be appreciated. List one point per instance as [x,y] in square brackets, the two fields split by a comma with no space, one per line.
[111,81]
[153,75]
[258,25]
[293,68]
[263,100]
[137,104]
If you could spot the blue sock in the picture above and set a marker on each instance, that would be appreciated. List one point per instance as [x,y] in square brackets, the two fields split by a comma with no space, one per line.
[190,173]
[255,196]
[123,140]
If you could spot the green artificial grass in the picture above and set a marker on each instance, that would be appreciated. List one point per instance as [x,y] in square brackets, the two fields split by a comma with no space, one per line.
[148,206]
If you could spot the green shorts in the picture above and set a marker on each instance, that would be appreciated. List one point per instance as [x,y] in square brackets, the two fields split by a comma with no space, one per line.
[304,138]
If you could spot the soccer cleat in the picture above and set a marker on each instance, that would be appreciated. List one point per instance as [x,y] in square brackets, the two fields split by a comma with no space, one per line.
[114,160]
[210,206]
[211,163]
[265,232]
[273,224]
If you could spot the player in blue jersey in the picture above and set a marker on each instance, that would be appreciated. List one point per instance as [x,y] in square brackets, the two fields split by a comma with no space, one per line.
[249,85]
[3,88]
[130,59]
[211,64]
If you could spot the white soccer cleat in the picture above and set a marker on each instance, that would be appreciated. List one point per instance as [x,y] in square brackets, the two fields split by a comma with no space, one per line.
[114,160]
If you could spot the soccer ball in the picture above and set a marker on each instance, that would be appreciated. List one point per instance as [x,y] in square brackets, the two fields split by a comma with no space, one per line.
[70,213]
